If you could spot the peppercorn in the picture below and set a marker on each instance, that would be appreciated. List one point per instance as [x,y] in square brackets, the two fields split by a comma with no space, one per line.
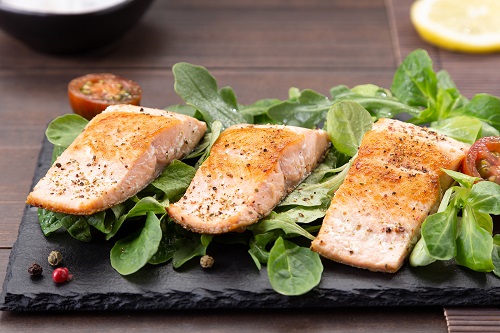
[206,261]
[54,258]
[35,270]
[61,275]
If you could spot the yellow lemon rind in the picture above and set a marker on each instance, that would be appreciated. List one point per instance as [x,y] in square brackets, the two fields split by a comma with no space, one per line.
[442,37]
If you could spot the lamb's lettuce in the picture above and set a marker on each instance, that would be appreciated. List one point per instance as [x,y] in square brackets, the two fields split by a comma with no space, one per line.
[465,237]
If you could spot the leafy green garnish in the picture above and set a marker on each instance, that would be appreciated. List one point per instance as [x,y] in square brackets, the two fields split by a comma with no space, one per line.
[198,88]
[130,254]
[293,270]
[346,124]
[63,130]
[466,238]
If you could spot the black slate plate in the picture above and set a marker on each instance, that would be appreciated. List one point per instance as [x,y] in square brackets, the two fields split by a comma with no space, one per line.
[233,282]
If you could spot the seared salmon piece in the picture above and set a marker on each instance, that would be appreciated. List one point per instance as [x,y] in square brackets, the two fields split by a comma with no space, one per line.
[119,153]
[394,183]
[251,168]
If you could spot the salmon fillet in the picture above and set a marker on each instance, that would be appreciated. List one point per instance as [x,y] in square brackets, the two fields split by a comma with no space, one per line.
[394,183]
[119,153]
[251,168]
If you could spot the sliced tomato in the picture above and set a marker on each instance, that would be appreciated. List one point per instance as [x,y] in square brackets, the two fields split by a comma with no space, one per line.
[483,159]
[90,94]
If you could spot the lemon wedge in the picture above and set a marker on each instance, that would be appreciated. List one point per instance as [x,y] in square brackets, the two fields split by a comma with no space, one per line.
[471,26]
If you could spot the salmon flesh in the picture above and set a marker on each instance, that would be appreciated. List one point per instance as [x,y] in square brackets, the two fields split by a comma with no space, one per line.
[393,184]
[251,168]
[120,152]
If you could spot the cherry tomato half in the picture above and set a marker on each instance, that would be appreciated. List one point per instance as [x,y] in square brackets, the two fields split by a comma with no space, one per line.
[92,93]
[483,159]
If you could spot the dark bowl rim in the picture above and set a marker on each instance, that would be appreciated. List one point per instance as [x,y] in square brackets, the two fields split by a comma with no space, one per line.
[16,11]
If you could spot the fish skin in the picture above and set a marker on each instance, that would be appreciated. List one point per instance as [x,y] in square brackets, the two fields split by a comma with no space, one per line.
[394,183]
[251,168]
[120,152]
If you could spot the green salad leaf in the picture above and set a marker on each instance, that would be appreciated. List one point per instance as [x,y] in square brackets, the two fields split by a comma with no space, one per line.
[63,130]
[346,124]
[467,238]
[199,88]
[293,270]
[131,253]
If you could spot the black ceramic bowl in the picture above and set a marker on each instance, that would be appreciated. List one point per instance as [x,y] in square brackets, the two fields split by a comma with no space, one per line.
[72,32]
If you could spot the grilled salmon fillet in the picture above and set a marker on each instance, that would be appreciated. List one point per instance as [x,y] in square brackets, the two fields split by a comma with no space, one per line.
[251,168]
[394,183]
[119,152]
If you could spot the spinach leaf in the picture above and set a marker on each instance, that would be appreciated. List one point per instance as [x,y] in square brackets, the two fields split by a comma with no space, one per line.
[258,110]
[415,82]
[131,253]
[63,130]
[293,270]
[100,222]
[258,246]
[139,208]
[376,100]
[187,248]
[174,180]
[187,110]
[308,110]
[166,248]
[280,221]
[197,87]
[346,124]
[76,225]
[463,128]
[203,148]
[48,221]
[484,107]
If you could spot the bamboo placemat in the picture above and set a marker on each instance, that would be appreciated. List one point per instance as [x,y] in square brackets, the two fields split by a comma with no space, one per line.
[486,320]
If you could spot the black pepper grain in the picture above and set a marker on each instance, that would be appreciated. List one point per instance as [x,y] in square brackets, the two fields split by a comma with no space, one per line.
[35,270]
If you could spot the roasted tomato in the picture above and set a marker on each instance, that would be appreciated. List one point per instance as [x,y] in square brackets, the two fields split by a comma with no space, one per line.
[92,93]
[483,159]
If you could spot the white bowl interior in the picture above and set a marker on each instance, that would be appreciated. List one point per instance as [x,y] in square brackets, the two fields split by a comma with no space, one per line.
[61,6]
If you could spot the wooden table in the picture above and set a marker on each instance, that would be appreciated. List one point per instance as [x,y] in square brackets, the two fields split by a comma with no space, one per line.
[260,48]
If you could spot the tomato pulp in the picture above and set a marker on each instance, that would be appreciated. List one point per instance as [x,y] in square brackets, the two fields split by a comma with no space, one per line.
[90,94]
[483,159]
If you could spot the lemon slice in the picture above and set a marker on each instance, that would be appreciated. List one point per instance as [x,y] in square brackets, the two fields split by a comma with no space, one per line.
[471,26]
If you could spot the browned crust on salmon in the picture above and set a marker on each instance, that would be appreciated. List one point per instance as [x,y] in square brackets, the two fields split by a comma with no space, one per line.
[394,183]
[119,152]
[250,170]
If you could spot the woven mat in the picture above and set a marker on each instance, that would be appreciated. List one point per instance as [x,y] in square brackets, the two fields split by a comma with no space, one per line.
[486,320]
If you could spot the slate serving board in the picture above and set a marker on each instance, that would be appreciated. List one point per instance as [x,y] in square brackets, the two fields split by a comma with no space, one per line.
[233,282]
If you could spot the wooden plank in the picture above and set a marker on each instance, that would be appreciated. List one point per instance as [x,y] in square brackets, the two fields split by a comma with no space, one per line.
[43,102]
[17,172]
[245,321]
[331,35]
[405,35]
[12,213]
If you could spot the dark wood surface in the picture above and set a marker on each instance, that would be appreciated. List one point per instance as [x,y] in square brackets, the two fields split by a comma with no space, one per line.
[260,48]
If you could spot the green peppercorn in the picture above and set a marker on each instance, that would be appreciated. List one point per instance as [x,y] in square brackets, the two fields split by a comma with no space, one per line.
[54,258]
